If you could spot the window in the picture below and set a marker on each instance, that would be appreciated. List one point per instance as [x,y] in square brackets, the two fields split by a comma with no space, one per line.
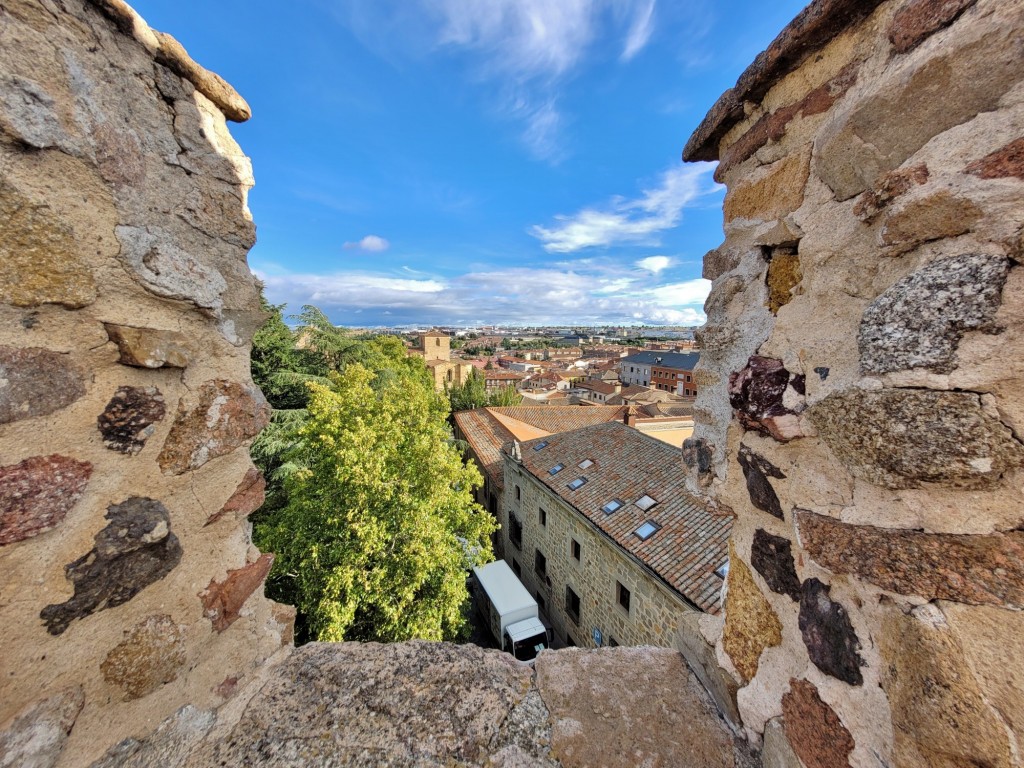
[579,482]
[437,342]
[622,596]
[611,506]
[516,568]
[585,463]
[515,531]
[556,469]
[541,445]
[574,549]
[572,605]
[722,571]
[645,502]
[540,563]
[646,530]
[542,515]
[517,493]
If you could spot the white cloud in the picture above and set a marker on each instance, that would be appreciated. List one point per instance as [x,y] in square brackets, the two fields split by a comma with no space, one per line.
[640,31]
[371,243]
[625,221]
[655,264]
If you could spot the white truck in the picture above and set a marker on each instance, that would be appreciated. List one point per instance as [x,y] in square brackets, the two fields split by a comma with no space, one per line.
[511,612]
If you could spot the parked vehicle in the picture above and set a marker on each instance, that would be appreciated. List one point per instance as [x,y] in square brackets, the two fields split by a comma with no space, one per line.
[511,612]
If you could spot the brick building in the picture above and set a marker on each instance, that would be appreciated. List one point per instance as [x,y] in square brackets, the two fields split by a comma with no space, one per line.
[598,526]
[664,371]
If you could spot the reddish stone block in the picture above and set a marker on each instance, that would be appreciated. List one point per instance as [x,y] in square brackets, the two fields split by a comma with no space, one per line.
[813,729]
[247,498]
[38,382]
[223,600]
[37,493]
[972,569]
[1005,162]
[919,19]
[887,188]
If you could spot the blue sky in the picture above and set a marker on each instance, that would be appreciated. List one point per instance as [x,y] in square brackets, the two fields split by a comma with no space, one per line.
[479,161]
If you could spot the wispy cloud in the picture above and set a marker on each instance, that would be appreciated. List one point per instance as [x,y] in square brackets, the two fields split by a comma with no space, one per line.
[370,243]
[640,31]
[596,293]
[630,221]
[655,264]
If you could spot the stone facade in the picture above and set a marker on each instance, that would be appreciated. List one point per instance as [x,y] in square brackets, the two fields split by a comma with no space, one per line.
[861,386]
[122,257]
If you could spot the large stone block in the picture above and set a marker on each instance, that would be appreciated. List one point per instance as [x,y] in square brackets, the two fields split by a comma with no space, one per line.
[39,732]
[151,654]
[921,220]
[750,623]
[916,21]
[978,570]
[223,600]
[762,394]
[135,550]
[1005,162]
[756,471]
[36,382]
[902,438]
[37,494]
[247,498]
[772,557]
[832,645]
[919,321]
[940,717]
[150,347]
[226,415]
[813,729]
[699,653]
[127,421]
[773,194]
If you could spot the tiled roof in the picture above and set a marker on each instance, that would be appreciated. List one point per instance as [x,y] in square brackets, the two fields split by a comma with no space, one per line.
[692,541]
[683,361]
[485,429]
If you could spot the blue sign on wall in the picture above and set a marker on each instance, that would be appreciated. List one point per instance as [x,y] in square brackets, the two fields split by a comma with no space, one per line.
[597,637]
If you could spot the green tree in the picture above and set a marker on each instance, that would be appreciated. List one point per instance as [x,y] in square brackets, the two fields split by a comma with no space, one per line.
[379,525]
[506,395]
[472,393]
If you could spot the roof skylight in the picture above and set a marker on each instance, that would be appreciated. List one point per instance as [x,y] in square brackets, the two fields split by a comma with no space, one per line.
[646,530]
[585,463]
[611,506]
[645,502]
[723,570]
[577,483]
[540,445]
[556,469]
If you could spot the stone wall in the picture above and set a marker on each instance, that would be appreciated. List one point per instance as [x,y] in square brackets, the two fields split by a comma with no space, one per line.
[126,404]
[654,609]
[860,404]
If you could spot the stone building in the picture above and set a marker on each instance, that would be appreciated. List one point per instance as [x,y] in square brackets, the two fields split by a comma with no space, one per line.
[664,371]
[435,349]
[597,525]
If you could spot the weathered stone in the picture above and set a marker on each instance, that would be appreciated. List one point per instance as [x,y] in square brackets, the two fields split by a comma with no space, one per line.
[776,752]
[172,55]
[36,736]
[750,623]
[939,715]
[150,347]
[150,656]
[226,415]
[415,703]
[779,191]
[919,321]
[772,557]
[154,258]
[717,263]
[700,657]
[40,259]
[772,126]
[136,549]
[35,382]
[832,645]
[223,600]
[887,188]
[783,276]
[698,454]
[247,498]
[758,394]
[37,494]
[171,743]
[30,113]
[756,471]
[119,155]
[1005,162]
[967,77]
[972,569]
[781,233]
[127,421]
[929,218]
[813,729]
[901,438]
[597,711]
[284,615]
[919,19]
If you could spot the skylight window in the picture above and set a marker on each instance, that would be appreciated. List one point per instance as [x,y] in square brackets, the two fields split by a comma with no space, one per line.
[556,469]
[577,483]
[585,463]
[722,571]
[646,502]
[611,506]
[648,529]
[540,445]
